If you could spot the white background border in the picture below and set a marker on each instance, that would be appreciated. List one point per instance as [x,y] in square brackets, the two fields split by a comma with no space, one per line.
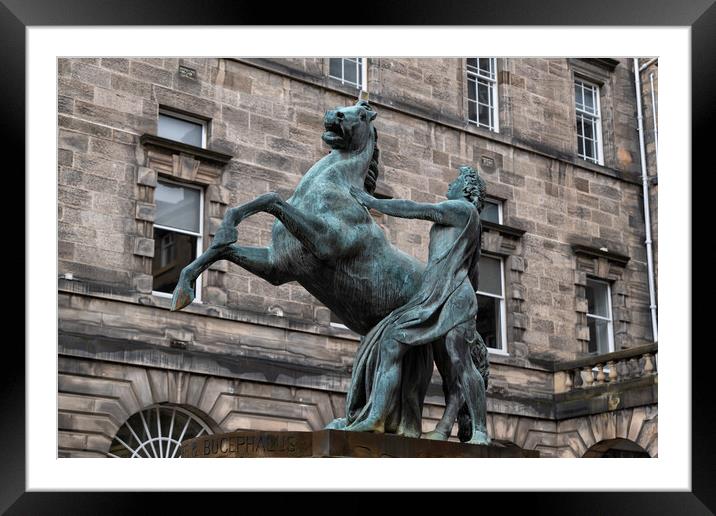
[672,470]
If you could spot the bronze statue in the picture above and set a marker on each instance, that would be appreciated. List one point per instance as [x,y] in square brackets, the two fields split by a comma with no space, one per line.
[326,241]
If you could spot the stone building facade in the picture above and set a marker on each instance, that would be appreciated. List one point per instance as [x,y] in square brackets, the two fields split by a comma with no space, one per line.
[567,235]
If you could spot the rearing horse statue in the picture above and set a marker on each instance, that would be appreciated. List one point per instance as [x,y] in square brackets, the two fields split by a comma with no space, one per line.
[326,241]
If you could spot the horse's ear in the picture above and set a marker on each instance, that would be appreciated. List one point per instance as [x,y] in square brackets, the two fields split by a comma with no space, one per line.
[365,105]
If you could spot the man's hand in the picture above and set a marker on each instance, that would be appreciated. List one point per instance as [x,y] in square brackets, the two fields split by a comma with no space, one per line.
[362,197]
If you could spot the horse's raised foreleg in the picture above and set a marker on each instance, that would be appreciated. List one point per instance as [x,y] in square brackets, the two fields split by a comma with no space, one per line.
[256,260]
[324,237]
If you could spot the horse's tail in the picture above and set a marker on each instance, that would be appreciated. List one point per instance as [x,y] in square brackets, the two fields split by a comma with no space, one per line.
[478,353]
[371,179]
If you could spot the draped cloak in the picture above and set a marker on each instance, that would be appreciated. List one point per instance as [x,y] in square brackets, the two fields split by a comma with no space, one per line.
[420,321]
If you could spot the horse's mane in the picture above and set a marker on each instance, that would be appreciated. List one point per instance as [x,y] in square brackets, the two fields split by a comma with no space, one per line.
[371,179]
[373,172]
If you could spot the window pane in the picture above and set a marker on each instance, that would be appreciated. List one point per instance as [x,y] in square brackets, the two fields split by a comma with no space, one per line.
[166,267]
[335,67]
[485,65]
[472,111]
[490,276]
[177,207]
[580,144]
[472,89]
[597,299]
[589,150]
[350,72]
[488,321]
[483,94]
[484,115]
[589,99]
[491,212]
[180,130]
[589,129]
[598,335]
[578,94]
[472,62]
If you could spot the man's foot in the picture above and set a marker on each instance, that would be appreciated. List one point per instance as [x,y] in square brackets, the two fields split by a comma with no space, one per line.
[479,437]
[366,426]
[337,424]
[436,435]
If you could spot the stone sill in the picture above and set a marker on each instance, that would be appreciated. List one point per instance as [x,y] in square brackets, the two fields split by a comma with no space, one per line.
[126,295]
[138,353]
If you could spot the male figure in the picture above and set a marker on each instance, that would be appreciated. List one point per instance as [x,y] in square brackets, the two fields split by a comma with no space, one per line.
[442,311]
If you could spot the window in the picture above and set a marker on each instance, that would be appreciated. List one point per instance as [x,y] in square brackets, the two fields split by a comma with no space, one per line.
[482,92]
[182,128]
[348,70]
[599,317]
[589,125]
[156,431]
[492,211]
[177,233]
[491,303]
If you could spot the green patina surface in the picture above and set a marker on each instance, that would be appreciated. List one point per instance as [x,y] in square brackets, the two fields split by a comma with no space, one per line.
[411,314]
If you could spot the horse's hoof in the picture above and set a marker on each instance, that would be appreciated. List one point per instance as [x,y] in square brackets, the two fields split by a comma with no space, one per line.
[183,295]
[436,436]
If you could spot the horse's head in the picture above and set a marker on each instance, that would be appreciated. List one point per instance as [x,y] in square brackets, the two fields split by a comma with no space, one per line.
[349,128]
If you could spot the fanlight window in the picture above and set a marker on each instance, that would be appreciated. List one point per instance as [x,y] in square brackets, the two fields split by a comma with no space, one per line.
[156,432]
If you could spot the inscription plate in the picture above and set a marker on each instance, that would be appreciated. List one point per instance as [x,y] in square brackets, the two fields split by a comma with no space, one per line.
[336,443]
[250,444]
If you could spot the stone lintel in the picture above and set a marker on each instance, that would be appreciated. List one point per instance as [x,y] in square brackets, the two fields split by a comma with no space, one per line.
[179,147]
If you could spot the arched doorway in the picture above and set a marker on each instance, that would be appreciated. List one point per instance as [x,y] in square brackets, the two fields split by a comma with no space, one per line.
[617,448]
[157,432]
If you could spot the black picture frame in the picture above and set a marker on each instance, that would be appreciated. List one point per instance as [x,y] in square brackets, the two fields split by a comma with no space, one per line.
[17,15]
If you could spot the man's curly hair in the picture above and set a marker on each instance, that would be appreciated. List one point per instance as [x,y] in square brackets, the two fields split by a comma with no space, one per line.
[474,186]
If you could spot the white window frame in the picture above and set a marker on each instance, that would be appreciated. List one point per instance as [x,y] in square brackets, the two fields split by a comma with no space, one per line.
[610,325]
[361,65]
[502,350]
[596,117]
[199,237]
[181,116]
[498,202]
[491,78]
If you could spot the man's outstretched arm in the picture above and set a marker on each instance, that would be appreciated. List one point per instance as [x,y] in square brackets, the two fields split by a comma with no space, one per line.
[447,213]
